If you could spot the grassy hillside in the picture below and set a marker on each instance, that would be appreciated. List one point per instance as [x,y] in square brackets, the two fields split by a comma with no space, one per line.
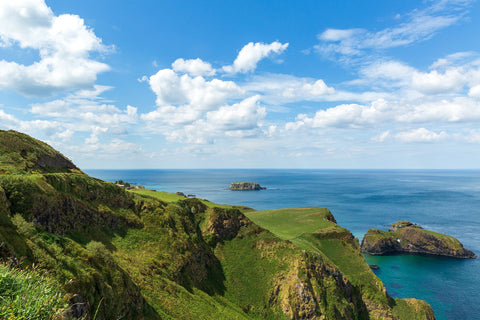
[315,230]
[144,254]
[20,153]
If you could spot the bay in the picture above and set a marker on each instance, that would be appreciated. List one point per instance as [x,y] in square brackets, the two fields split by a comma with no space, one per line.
[446,201]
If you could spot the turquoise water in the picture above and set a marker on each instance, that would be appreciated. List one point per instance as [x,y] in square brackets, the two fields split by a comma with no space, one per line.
[443,201]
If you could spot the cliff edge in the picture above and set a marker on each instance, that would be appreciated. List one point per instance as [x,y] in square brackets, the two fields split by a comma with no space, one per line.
[409,238]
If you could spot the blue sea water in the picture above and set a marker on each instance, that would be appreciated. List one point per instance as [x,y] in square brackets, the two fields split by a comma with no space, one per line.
[445,201]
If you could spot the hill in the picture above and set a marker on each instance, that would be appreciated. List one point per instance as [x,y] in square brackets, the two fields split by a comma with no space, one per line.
[143,254]
[20,153]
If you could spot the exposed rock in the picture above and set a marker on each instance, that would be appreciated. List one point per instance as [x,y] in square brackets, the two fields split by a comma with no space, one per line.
[409,238]
[223,224]
[245,186]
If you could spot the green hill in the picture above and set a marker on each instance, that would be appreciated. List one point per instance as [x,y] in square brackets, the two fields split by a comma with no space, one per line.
[142,254]
[20,153]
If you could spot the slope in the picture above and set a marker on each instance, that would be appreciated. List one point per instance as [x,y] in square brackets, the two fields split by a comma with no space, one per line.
[315,230]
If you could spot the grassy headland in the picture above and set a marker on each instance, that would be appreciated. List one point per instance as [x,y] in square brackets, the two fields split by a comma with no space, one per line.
[143,254]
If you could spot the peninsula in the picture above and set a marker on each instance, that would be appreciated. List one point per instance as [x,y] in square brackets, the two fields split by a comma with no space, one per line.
[408,238]
[245,186]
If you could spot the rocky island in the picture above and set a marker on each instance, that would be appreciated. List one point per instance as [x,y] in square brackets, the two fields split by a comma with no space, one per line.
[406,237]
[245,186]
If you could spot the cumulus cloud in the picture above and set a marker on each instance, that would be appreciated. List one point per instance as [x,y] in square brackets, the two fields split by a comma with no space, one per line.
[244,115]
[64,44]
[172,88]
[194,67]
[450,77]
[459,109]
[252,53]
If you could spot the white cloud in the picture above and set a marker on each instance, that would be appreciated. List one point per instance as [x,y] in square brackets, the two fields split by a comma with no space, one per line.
[459,109]
[238,120]
[279,88]
[474,92]
[244,115]
[84,111]
[381,137]
[171,88]
[419,25]
[63,42]
[395,72]
[252,53]
[339,34]
[446,78]
[194,67]
[345,116]
[421,135]
[434,82]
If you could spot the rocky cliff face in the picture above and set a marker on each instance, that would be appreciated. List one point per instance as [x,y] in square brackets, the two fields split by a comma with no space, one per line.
[245,186]
[406,237]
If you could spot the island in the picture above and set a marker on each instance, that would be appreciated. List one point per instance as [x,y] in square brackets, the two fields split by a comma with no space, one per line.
[245,186]
[405,237]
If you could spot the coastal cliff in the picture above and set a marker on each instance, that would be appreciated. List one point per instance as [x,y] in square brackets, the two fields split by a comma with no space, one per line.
[406,237]
[144,254]
[245,186]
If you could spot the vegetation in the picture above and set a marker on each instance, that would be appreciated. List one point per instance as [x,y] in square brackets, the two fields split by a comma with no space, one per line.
[20,153]
[142,254]
[406,237]
[30,294]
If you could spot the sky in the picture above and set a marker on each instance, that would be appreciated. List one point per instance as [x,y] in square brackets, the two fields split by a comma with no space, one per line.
[245,84]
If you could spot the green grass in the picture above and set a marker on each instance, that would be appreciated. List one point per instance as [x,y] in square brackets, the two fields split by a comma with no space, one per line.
[20,153]
[290,223]
[30,294]
[173,197]
[312,230]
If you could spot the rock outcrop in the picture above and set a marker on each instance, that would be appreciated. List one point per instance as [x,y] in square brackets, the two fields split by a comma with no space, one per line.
[408,238]
[245,186]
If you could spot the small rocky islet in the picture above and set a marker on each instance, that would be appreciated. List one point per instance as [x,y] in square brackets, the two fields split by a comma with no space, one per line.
[405,237]
[245,186]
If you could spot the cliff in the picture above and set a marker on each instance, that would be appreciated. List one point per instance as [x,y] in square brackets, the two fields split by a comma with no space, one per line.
[143,254]
[245,186]
[406,237]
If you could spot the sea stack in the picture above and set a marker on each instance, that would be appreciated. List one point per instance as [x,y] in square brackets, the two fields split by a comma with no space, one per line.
[245,186]
[404,237]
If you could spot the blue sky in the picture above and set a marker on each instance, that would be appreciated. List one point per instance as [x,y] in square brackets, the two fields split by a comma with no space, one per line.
[245,84]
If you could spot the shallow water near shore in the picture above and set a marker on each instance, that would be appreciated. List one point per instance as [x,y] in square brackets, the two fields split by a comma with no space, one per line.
[446,201]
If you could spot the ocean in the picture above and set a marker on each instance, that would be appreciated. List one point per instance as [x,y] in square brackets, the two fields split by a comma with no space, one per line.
[446,201]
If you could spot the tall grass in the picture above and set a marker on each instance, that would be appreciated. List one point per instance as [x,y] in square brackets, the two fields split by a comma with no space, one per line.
[30,294]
